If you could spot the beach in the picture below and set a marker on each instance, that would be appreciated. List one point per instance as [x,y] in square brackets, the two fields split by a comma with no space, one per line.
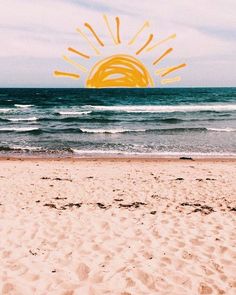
[117,226]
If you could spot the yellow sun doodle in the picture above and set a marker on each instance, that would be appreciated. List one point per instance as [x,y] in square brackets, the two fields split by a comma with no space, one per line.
[120,70]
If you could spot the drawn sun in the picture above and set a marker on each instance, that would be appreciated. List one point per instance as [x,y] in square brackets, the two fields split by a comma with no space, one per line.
[120,70]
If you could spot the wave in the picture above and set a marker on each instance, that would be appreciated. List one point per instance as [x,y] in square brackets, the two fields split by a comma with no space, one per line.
[149,154]
[6,110]
[109,152]
[169,120]
[19,129]
[22,119]
[179,129]
[37,130]
[222,129]
[26,148]
[21,149]
[166,108]
[73,113]
[104,119]
[158,130]
[77,151]
[23,106]
[111,131]
[178,120]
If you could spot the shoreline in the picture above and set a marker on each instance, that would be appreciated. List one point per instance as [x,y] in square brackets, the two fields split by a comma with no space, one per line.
[119,158]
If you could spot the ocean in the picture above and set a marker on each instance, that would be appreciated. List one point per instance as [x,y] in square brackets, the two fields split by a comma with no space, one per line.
[128,122]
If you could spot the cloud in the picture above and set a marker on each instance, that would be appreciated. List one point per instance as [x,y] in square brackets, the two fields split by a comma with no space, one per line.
[34,35]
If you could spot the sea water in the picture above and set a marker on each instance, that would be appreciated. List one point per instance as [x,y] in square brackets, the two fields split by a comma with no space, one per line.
[143,122]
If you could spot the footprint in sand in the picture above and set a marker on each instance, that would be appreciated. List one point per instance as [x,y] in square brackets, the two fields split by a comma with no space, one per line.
[82,271]
[166,260]
[204,289]
[187,255]
[196,242]
[129,282]
[11,289]
[146,279]
[97,278]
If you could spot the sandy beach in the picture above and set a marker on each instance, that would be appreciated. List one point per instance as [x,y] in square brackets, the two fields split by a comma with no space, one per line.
[117,226]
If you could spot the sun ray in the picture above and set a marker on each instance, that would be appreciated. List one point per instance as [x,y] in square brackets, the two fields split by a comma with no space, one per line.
[145,25]
[161,42]
[168,51]
[172,69]
[88,26]
[87,39]
[72,62]
[78,52]
[109,29]
[66,74]
[171,80]
[161,71]
[120,69]
[145,45]
[118,30]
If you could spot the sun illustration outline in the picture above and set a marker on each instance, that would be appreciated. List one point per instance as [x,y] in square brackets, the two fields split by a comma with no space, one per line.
[120,70]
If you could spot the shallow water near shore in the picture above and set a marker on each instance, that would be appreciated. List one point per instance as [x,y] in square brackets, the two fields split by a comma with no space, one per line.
[121,122]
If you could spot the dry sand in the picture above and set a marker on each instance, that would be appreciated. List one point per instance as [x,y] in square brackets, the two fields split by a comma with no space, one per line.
[117,227]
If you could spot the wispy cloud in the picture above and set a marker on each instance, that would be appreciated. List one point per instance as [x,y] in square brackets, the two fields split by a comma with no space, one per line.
[34,34]
[220,33]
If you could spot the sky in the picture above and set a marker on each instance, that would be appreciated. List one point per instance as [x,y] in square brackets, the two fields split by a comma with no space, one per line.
[34,34]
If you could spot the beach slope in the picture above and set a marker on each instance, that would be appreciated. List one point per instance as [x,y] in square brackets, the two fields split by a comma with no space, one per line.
[117,226]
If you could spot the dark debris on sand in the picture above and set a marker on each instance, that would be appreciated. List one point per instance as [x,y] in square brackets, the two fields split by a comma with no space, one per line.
[200,179]
[64,207]
[186,158]
[132,205]
[70,205]
[32,253]
[193,206]
[204,209]
[57,178]
[101,206]
[50,205]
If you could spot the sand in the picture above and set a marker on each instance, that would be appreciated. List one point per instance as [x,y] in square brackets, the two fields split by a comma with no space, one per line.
[117,227]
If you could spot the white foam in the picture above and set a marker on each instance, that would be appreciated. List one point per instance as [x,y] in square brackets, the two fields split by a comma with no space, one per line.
[29,148]
[5,110]
[22,119]
[166,108]
[112,131]
[19,129]
[73,113]
[222,129]
[154,153]
[24,106]
[96,152]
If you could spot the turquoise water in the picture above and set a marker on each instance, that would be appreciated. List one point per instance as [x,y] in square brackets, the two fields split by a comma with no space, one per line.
[78,122]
